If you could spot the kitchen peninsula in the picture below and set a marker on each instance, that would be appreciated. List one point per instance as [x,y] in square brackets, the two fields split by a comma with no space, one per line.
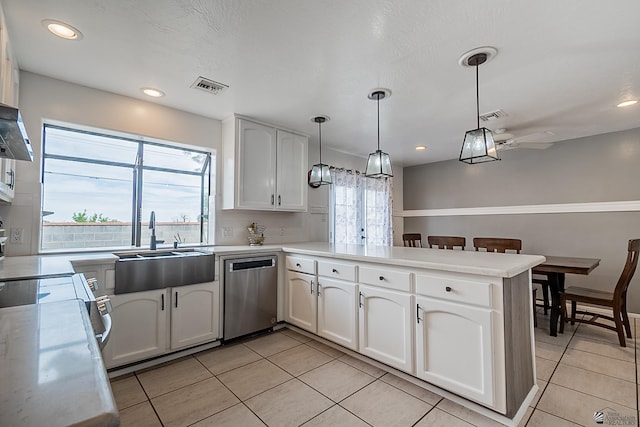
[460,321]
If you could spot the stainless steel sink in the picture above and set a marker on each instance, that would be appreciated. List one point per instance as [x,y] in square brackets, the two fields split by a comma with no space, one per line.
[149,270]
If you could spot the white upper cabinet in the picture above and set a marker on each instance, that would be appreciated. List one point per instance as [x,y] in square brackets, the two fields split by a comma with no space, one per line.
[264,168]
[291,171]
[9,76]
[256,164]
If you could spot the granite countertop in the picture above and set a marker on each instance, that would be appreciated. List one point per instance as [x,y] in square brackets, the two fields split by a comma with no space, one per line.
[471,262]
[51,369]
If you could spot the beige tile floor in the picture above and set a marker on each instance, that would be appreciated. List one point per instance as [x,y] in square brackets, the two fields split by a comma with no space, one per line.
[287,379]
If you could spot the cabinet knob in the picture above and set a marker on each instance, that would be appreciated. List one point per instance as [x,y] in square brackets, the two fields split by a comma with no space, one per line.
[334,270]
[381,277]
[298,265]
[448,289]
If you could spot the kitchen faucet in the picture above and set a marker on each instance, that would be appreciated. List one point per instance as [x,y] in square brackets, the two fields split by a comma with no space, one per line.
[152,227]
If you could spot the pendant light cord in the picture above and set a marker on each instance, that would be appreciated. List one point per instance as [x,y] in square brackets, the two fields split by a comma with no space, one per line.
[320,139]
[477,98]
[378,102]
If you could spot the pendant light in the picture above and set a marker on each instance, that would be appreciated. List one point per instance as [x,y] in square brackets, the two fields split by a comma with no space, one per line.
[379,164]
[320,174]
[478,145]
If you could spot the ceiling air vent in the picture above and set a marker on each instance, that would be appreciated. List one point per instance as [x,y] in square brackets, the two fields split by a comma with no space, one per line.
[209,86]
[493,115]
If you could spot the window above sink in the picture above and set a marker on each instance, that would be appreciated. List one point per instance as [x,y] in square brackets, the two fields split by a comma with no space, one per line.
[99,188]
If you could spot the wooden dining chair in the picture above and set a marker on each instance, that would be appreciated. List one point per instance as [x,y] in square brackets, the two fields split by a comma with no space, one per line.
[616,300]
[502,245]
[497,244]
[446,242]
[413,240]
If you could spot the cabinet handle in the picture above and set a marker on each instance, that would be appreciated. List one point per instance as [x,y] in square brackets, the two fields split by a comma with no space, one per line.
[318,289]
[162,302]
[448,289]
[312,287]
[12,179]
[360,300]
[418,314]
[272,199]
[279,200]
[381,277]
[334,270]
[176,299]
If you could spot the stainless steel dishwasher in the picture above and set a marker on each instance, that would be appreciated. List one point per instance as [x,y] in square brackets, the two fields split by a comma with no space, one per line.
[250,295]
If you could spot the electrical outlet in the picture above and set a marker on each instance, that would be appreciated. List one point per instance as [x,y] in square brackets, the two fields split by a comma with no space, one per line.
[17,235]
[227,232]
[282,231]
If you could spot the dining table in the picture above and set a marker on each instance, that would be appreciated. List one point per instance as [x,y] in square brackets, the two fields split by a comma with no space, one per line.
[555,268]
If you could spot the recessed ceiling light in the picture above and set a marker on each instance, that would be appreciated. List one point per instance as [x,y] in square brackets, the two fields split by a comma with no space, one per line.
[62,29]
[628,103]
[420,148]
[153,92]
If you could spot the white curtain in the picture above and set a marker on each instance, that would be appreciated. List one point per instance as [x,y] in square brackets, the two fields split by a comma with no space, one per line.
[346,204]
[360,209]
[378,211]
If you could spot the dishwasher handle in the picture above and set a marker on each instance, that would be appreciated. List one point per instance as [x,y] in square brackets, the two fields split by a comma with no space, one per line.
[251,265]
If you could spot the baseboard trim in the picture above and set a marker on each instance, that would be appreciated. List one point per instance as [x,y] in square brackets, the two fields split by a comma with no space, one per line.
[621,206]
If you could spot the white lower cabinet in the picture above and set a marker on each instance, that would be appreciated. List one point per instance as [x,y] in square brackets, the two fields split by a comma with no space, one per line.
[151,323]
[454,345]
[195,314]
[302,307]
[139,327]
[385,326]
[337,314]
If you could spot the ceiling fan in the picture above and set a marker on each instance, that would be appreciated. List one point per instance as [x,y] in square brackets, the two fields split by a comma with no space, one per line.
[507,141]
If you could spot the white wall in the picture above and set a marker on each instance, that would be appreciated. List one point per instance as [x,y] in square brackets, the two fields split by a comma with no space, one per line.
[46,98]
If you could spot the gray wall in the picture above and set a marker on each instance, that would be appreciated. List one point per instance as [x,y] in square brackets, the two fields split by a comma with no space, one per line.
[602,168]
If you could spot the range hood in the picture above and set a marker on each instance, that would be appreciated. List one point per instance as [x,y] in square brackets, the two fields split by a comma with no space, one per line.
[14,143]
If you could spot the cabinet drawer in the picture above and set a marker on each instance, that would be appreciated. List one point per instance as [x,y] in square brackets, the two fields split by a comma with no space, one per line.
[301,264]
[457,289]
[337,270]
[385,277]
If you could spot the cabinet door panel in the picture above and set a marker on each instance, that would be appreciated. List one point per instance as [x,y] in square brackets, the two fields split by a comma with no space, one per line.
[454,348]
[337,315]
[291,166]
[139,327]
[195,314]
[256,186]
[385,326]
[301,301]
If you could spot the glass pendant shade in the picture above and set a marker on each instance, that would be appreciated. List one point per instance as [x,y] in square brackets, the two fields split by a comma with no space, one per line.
[320,175]
[478,147]
[378,165]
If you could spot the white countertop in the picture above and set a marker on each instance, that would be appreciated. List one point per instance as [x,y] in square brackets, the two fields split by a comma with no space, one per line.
[487,264]
[28,267]
[51,370]
[471,262]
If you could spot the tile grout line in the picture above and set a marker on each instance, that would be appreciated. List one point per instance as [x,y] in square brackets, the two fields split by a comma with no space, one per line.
[240,401]
[535,408]
[148,398]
